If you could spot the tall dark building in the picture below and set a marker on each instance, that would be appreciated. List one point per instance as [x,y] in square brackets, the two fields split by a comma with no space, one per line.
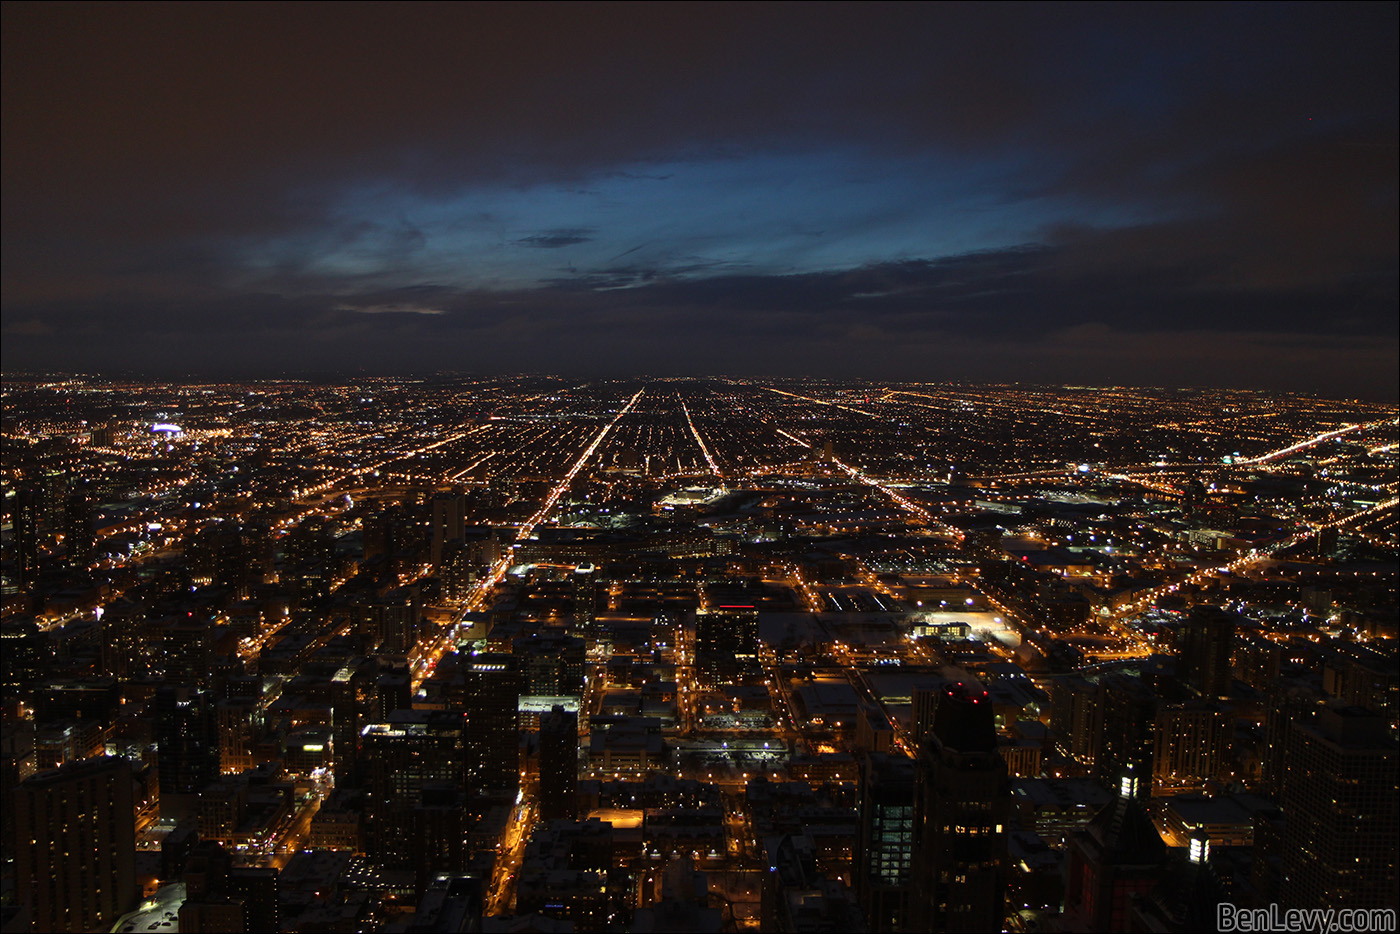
[456,570]
[449,512]
[76,833]
[925,698]
[1204,646]
[725,638]
[493,685]
[79,532]
[352,698]
[1193,743]
[388,624]
[1075,718]
[441,822]
[585,598]
[187,740]
[1117,858]
[552,662]
[393,690]
[378,532]
[26,515]
[227,556]
[127,640]
[559,765]
[309,565]
[1128,713]
[1341,811]
[186,645]
[222,897]
[240,723]
[889,787]
[964,805]
[1286,705]
[413,750]
[53,484]
[1258,662]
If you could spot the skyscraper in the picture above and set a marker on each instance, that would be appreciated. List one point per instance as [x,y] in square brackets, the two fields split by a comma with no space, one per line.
[1127,712]
[76,833]
[1341,810]
[388,623]
[78,530]
[413,750]
[1076,718]
[26,515]
[449,510]
[187,740]
[585,598]
[964,805]
[1288,703]
[378,528]
[885,852]
[1116,858]
[725,637]
[559,765]
[493,685]
[352,697]
[1192,743]
[310,559]
[438,842]
[1203,651]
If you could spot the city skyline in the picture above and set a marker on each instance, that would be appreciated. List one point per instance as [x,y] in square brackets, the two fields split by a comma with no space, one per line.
[463,653]
[1050,194]
[677,467]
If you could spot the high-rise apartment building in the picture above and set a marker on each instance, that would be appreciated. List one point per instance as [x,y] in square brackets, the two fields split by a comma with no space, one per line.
[725,638]
[1192,744]
[1128,715]
[1075,718]
[964,805]
[187,740]
[1341,810]
[1287,704]
[79,532]
[493,685]
[75,830]
[558,765]
[413,750]
[25,517]
[309,566]
[1203,651]
[449,512]
[585,598]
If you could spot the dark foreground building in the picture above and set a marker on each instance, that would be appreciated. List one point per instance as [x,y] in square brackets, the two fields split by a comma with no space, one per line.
[964,805]
[76,833]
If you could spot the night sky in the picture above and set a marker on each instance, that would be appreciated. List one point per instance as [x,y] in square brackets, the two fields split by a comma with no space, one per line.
[1154,195]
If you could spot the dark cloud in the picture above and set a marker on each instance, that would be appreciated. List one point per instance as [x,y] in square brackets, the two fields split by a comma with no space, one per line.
[553,239]
[1236,165]
[160,102]
[1013,312]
